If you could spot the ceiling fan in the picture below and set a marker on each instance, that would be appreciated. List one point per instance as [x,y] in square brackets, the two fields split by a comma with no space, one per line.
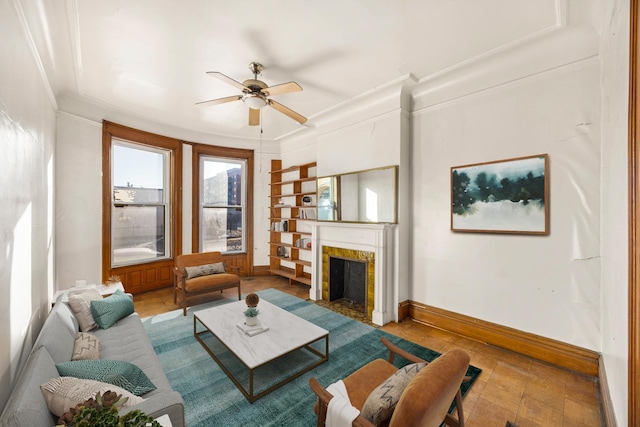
[255,94]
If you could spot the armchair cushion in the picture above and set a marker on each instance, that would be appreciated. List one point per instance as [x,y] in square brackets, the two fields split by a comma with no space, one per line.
[204,270]
[362,382]
[380,404]
[214,281]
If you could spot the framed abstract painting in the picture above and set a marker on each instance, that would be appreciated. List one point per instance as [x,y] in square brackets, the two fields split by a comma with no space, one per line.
[505,196]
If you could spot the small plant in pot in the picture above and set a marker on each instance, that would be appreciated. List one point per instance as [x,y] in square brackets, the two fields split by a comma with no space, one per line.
[251,316]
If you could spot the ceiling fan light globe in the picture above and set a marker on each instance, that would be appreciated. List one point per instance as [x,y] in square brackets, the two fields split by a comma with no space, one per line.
[255,101]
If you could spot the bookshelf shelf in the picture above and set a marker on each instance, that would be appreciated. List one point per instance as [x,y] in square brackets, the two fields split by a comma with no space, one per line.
[289,236]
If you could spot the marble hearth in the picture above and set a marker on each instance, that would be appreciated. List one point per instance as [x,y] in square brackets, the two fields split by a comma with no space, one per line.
[373,243]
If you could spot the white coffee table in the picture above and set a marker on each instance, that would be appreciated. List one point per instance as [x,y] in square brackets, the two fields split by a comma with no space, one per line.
[287,334]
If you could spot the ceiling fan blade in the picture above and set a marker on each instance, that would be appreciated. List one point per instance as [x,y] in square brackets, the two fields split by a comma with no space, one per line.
[227,79]
[254,117]
[287,111]
[282,88]
[219,101]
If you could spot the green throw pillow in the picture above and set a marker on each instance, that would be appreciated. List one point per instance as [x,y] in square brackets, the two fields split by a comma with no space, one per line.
[108,311]
[117,372]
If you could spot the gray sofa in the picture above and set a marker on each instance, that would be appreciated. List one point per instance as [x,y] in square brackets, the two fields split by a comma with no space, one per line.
[126,340]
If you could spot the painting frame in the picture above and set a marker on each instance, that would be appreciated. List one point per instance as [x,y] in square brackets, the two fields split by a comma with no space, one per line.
[509,196]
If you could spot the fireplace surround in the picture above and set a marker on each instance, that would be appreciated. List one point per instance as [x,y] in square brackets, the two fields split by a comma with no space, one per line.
[373,243]
[330,253]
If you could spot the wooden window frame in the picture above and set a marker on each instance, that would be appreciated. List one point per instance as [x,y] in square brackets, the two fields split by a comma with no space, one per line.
[154,274]
[243,260]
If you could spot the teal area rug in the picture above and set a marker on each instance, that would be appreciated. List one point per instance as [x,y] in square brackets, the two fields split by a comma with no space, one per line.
[211,399]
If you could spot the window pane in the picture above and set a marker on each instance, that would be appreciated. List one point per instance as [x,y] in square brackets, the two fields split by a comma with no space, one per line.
[222,183]
[139,225]
[138,174]
[137,233]
[221,229]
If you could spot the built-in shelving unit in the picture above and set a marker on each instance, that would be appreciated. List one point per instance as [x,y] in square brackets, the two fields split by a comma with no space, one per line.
[292,204]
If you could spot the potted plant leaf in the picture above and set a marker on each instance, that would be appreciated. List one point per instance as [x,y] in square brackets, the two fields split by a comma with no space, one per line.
[251,316]
[103,412]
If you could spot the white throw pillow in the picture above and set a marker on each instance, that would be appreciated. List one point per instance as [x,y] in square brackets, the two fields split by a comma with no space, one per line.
[81,306]
[204,270]
[64,393]
[86,346]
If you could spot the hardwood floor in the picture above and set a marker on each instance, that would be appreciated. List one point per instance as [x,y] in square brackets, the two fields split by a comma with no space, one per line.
[511,387]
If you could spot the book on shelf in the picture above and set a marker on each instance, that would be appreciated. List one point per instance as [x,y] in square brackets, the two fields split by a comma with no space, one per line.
[307,213]
[280,226]
[303,243]
[256,329]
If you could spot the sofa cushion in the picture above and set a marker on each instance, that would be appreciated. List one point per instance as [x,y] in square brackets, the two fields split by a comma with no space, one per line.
[58,333]
[204,270]
[81,306]
[63,393]
[380,404]
[117,372]
[87,346]
[127,340]
[26,406]
[108,311]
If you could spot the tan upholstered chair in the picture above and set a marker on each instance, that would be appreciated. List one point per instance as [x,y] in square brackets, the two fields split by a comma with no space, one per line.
[424,402]
[186,287]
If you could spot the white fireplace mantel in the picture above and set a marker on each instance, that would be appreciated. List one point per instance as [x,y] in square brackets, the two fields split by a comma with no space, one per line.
[377,238]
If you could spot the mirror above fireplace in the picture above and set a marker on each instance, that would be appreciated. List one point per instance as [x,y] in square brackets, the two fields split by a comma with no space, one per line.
[368,196]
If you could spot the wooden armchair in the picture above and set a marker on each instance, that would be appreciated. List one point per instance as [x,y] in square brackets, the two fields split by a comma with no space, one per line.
[202,273]
[425,401]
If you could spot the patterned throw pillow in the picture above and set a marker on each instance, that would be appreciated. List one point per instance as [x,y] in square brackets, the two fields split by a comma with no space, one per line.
[86,346]
[383,399]
[63,393]
[204,270]
[81,306]
[108,311]
[117,372]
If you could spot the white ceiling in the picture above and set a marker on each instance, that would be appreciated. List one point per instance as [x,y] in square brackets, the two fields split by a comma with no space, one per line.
[148,58]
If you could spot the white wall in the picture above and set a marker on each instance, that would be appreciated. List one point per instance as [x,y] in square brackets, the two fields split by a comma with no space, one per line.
[27,140]
[78,201]
[614,231]
[546,285]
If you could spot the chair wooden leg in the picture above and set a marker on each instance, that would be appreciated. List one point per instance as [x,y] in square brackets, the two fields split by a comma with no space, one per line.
[452,422]
[459,408]
[184,301]
[239,293]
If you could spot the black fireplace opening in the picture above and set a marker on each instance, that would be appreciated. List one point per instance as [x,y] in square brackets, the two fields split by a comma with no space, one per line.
[348,282]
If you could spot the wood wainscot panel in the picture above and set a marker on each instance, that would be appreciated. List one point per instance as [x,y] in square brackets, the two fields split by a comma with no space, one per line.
[145,277]
[238,260]
[546,349]
[150,275]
